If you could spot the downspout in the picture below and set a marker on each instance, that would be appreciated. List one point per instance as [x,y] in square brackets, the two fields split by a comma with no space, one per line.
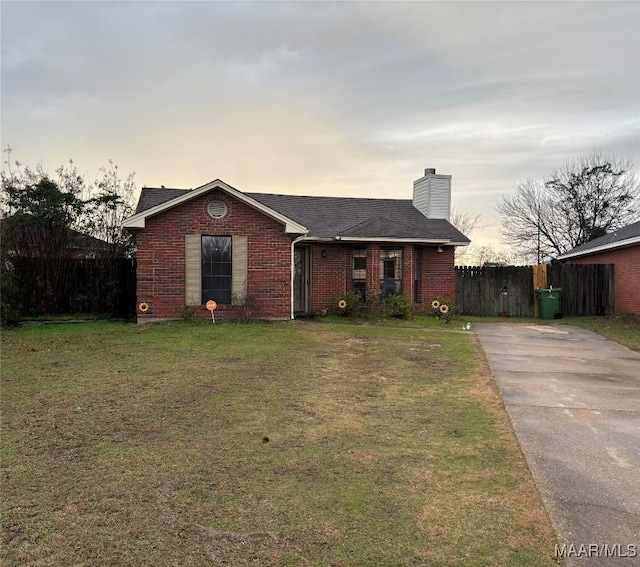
[293,268]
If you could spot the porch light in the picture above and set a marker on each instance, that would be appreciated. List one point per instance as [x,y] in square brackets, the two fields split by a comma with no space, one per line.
[323,253]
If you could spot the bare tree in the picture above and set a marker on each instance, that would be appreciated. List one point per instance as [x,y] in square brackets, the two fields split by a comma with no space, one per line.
[583,200]
[466,223]
[107,207]
[489,254]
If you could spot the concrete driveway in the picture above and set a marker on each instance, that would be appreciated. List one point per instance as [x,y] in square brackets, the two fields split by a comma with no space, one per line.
[574,401]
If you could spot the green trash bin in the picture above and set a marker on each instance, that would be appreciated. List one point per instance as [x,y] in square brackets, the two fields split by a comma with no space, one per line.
[549,303]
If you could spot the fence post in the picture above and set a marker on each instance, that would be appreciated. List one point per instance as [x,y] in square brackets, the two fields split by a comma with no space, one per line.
[539,282]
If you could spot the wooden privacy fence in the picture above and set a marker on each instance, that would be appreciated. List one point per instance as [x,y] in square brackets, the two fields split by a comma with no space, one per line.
[502,290]
[586,289]
[100,286]
[509,290]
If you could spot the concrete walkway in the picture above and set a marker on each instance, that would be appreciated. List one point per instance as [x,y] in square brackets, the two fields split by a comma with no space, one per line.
[574,401]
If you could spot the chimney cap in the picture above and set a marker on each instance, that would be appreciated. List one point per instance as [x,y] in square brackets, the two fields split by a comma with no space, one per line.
[430,171]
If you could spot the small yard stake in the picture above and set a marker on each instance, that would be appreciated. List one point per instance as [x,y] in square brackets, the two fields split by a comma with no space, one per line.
[211,305]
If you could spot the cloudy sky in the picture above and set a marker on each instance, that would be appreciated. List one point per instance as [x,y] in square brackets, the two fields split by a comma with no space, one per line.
[322,98]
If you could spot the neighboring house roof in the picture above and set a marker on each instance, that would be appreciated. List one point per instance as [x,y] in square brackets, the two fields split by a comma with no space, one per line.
[626,236]
[87,242]
[27,226]
[348,218]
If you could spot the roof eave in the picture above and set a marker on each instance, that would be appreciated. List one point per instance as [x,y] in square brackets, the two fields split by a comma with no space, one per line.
[139,220]
[603,248]
[348,239]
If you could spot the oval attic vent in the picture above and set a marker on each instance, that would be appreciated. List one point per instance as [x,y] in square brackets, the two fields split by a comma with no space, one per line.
[217,209]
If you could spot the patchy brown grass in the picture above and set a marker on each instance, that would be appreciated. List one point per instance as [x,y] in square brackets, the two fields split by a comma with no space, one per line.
[623,328]
[262,444]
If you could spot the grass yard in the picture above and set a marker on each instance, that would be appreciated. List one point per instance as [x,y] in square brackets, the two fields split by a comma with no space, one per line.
[262,444]
[623,328]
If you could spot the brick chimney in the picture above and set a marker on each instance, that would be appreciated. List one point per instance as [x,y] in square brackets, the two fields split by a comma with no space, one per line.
[432,195]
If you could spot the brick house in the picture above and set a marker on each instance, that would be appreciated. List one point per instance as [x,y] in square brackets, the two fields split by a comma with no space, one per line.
[622,249]
[292,254]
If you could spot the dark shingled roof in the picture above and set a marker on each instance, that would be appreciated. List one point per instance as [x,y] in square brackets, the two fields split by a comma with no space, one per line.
[610,240]
[152,196]
[326,217]
[349,217]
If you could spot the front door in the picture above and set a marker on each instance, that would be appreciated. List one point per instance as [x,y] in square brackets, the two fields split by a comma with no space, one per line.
[301,280]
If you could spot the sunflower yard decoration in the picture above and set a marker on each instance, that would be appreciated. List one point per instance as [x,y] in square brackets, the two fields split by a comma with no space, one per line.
[443,309]
[347,303]
[143,307]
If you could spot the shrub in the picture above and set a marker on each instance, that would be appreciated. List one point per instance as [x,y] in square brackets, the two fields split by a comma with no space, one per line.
[399,306]
[248,306]
[372,304]
[187,313]
[10,304]
[348,303]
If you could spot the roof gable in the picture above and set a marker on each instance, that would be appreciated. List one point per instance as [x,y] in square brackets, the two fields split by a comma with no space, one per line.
[160,200]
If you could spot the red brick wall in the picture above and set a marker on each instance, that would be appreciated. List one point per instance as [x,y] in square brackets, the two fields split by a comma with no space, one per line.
[626,276]
[331,276]
[438,278]
[161,256]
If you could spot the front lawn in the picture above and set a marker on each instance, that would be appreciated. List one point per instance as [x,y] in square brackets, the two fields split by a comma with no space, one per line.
[188,443]
[623,329]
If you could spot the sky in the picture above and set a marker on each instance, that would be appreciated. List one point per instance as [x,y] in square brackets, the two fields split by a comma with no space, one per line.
[350,99]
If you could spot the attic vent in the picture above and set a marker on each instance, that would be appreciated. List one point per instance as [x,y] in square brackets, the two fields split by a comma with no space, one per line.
[217,209]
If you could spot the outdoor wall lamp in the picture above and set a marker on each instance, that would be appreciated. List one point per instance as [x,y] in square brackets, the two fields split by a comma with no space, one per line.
[323,253]
[440,249]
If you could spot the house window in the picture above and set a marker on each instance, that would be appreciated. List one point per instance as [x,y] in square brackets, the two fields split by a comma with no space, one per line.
[216,269]
[390,271]
[359,271]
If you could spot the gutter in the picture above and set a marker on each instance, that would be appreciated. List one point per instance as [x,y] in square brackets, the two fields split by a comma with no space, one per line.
[349,239]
